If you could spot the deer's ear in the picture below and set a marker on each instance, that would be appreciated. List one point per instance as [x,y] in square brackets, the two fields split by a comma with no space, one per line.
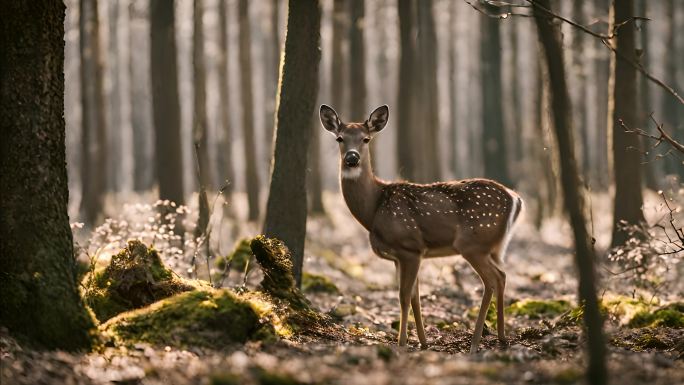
[329,119]
[378,119]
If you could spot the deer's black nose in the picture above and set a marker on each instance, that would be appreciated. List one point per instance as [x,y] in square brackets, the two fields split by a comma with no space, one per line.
[352,158]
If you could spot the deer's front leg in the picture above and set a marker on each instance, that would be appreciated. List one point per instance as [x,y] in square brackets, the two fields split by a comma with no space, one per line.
[417,314]
[408,273]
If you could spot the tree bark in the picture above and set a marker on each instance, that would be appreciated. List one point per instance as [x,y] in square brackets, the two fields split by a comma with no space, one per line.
[144,176]
[94,118]
[493,138]
[271,69]
[115,140]
[227,169]
[357,62]
[286,208]
[407,163]
[453,94]
[199,118]
[337,65]
[427,89]
[252,172]
[626,156]
[314,162]
[40,300]
[165,101]
[550,37]
[673,112]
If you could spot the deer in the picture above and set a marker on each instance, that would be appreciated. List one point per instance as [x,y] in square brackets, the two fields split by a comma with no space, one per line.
[409,222]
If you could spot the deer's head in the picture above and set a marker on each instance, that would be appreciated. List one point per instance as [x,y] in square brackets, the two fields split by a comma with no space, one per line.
[353,137]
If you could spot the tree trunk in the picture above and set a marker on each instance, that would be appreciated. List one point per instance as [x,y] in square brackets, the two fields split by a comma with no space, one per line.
[165,101]
[407,163]
[550,37]
[337,64]
[115,140]
[427,89]
[652,175]
[271,68]
[252,172]
[286,208]
[199,117]
[40,300]
[673,112]
[227,169]
[94,118]
[493,140]
[626,155]
[454,136]
[139,70]
[357,62]
[314,162]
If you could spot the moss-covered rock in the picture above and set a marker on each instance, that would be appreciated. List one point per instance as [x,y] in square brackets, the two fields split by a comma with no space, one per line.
[239,258]
[536,308]
[205,318]
[671,315]
[315,283]
[135,277]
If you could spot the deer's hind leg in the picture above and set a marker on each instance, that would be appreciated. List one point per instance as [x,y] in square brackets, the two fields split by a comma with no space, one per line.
[500,287]
[487,271]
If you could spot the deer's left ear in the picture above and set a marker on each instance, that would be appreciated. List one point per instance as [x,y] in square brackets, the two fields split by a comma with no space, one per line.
[378,119]
[329,119]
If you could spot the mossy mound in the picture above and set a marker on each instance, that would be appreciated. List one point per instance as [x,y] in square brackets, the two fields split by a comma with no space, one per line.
[135,277]
[205,318]
[315,283]
[671,315]
[239,258]
[536,309]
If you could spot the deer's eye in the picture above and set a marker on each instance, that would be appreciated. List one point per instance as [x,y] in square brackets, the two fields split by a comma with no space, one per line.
[339,139]
[366,140]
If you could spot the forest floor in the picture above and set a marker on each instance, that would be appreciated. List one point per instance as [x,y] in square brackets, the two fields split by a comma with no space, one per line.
[546,346]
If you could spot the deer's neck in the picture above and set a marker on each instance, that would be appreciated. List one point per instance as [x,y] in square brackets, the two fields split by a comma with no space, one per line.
[361,191]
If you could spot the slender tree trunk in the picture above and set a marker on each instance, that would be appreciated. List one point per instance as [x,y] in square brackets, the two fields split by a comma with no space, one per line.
[407,162]
[493,140]
[652,175]
[603,167]
[516,101]
[252,172]
[40,299]
[673,112]
[337,64]
[94,123]
[225,145]
[199,118]
[114,170]
[427,89]
[271,68]
[139,70]
[286,208]
[550,37]
[626,155]
[357,62]
[454,136]
[165,101]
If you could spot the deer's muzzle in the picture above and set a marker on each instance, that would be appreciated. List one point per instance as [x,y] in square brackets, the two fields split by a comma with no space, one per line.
[352,158]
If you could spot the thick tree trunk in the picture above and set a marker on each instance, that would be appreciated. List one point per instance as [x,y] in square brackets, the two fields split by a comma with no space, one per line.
[139,71]
[286,208]
[550,37]
[227,169]
[407,162]
[94,118]
[626,155]
[40,299]
[165,101]
[252,172]
[314,162]
[427,89]
[493,138]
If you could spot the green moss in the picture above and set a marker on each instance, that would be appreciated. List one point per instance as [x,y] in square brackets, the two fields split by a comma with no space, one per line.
[239,258]
[213,318]
[568,376]
[649,340]
[134,278]
[274,258]
[224,379]
[270,378]
[671,315]
[315,283]
[536,309]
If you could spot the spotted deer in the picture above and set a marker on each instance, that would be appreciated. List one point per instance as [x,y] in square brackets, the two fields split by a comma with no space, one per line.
[408,222]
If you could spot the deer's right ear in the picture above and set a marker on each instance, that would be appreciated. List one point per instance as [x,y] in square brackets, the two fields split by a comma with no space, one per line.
[329,119]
